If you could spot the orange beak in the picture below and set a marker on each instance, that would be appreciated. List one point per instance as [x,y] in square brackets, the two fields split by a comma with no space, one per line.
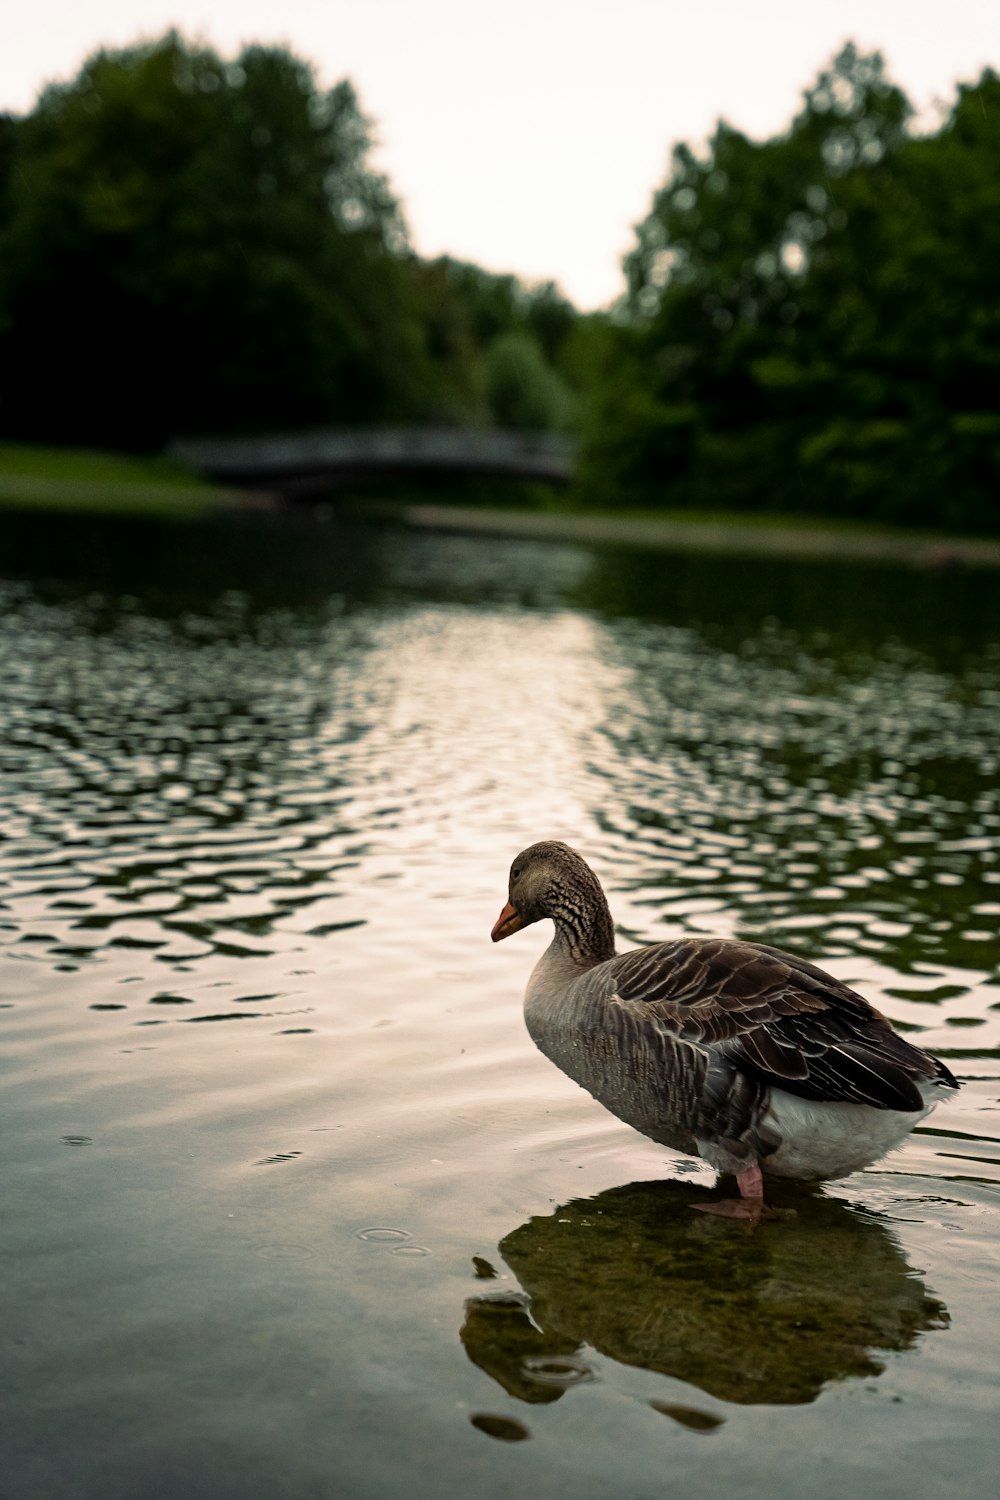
[507,922]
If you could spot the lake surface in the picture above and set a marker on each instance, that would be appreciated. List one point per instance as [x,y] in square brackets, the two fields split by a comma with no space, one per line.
[291,1205]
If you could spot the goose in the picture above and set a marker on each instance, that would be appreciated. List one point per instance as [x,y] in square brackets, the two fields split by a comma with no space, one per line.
[751,1058]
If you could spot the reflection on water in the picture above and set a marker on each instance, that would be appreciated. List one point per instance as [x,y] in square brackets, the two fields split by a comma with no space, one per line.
[634,1275]
[259,792]
[202,777]
[853,796]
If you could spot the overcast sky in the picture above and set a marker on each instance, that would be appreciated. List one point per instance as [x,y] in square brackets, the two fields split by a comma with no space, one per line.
[529,135]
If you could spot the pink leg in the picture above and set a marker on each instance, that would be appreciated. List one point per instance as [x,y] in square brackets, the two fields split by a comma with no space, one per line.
[751,1183]
[749,1206]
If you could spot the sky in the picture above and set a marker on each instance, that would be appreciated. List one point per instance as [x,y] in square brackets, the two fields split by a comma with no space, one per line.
[530,135]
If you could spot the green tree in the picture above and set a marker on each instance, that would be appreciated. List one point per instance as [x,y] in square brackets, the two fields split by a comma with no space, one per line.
[902,304]
[811,321]
[523,338]
[522,389]
[191,244]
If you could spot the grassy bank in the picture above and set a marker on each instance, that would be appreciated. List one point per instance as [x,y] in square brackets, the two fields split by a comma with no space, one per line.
[725,533]
[58,480]
[68,479]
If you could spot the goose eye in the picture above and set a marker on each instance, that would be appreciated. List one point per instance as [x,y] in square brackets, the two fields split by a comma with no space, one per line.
[515,874]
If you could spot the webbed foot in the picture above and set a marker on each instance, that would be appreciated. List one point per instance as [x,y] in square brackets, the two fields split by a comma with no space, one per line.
[752,1211]
[749,1206]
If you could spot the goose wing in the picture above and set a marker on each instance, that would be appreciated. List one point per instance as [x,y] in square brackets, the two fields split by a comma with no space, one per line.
[774,1018]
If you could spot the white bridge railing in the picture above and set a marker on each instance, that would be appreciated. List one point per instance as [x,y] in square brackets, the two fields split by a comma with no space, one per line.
[345,452]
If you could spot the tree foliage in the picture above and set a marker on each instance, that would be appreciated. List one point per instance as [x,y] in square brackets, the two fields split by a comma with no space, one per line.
[189,244]
[525,336]
[813,321]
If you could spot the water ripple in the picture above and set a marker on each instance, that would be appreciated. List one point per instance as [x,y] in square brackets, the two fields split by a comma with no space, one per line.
[264,1071]
[240,815]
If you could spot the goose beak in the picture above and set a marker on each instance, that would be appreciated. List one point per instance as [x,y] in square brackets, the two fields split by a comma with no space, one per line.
[507,922]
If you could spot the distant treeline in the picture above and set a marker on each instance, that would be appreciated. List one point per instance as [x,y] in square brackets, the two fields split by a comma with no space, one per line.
[193,245]
[811,323]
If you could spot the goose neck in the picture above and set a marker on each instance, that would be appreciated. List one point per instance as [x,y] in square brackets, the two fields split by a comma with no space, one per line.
[584,931]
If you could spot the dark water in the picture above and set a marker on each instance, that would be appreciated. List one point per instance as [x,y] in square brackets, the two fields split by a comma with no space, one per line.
[291,1207]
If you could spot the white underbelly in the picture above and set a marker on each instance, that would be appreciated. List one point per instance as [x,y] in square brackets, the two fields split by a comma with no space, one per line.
[820,1141]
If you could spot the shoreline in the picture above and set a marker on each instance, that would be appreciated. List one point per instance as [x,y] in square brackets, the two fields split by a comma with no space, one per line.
[819,543]
[178,500]
[731,536]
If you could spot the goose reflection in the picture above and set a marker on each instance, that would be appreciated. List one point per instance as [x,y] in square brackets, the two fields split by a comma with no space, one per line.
[632,1273]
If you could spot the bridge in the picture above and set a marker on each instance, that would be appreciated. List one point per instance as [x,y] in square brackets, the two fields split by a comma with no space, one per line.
[312,463]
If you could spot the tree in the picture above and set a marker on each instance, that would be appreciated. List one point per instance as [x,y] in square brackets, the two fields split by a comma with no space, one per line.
[522,336]
[812,321]
[522,389]
[195,245]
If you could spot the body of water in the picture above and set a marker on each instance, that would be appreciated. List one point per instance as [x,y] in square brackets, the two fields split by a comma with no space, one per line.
[291,1205]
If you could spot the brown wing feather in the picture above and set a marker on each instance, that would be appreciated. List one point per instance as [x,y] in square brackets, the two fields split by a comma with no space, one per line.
[776,1019]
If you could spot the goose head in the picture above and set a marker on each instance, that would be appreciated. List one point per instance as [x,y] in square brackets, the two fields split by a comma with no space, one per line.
[541,878]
